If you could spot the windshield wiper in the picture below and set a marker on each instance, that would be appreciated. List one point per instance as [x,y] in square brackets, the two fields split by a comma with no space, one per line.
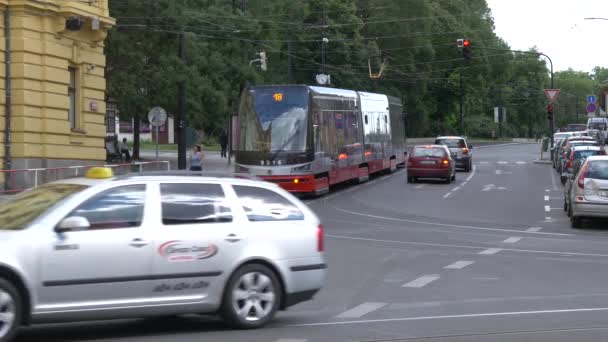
[287,142]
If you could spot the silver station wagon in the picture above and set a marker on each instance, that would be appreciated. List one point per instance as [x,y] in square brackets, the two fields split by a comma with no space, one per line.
[104,247]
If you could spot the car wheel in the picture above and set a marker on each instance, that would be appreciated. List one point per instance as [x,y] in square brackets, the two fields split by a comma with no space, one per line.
[448,180]
[565,205]
[454,176]
[569,211]
[576,222]
[10,311]
[251,298]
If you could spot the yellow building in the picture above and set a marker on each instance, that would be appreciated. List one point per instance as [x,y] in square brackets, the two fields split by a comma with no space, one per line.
[56,80]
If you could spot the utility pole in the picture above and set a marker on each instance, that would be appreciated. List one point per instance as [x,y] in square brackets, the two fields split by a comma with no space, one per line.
[182,110]
[461,105]
[290,78]
[323,39]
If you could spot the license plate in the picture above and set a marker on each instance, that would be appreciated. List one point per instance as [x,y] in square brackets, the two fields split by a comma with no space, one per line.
[604,194]
[428,162]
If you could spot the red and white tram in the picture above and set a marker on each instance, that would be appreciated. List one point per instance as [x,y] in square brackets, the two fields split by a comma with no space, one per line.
[306,138]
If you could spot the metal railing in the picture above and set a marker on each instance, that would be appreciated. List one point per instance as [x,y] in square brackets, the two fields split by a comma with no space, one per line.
[23,179]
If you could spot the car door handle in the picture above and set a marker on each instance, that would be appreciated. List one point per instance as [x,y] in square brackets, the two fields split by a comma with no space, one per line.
[138,243]
[233,238]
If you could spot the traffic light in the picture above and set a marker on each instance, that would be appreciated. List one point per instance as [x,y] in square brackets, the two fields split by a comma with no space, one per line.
[467,52]
[550,112]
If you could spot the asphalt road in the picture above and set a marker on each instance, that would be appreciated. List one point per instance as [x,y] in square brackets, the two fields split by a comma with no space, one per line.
[491,257]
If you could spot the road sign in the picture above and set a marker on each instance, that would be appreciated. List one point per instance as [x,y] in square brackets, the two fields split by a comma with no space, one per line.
[157,116]
[552,94]
[591,108]
[590,98]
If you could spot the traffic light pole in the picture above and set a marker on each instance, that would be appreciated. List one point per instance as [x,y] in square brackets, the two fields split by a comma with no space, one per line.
[181,108]
[461,106]
[552,121]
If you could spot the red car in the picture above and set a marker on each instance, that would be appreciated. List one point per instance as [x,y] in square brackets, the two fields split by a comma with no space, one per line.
[431,161]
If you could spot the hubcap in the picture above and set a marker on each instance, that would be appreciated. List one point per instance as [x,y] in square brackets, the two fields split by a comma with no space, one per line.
[7,313]
[253,296]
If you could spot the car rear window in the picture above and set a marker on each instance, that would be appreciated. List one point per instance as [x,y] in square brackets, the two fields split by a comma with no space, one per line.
[585,154]
[266,205]
[429,152]
[598,169]
[452,143]
[192,203]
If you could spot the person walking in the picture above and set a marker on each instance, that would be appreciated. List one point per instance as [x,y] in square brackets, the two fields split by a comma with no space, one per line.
[196,159]
[223,143]
[123,148]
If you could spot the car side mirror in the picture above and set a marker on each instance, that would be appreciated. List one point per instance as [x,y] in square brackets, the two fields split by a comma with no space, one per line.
[72,223]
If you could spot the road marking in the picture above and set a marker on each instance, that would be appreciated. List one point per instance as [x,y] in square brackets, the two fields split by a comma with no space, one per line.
[547,218]
[546,198]
[458,265]
[547,208]
[472,173]
[446,224]
[422,281]
[447,195]
[419,186]
[547,190]
[487,314]
[512,239]
[360,310]
[490,251]
[456,188]
[487,251]
[291,340]
[519,162]
[499,172]
[502,162]
[553,181]
[534,229]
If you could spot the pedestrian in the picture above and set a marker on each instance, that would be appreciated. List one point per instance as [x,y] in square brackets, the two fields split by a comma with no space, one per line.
[196,159]
[123,147]
[223,143]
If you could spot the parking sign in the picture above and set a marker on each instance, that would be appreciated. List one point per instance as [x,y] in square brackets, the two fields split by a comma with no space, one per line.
[590,98]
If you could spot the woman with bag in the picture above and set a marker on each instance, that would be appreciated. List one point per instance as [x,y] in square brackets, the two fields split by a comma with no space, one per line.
[196,159]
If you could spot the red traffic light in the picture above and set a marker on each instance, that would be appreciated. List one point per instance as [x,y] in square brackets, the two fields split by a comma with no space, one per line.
[549,108]
[466,43]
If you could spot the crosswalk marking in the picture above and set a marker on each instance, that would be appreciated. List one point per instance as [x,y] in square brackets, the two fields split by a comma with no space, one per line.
[361,309]
[422,281]
[513,239]
[490,251]
[458,265]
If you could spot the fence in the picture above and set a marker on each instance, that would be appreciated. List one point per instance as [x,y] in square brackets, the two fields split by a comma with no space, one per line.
[18,180]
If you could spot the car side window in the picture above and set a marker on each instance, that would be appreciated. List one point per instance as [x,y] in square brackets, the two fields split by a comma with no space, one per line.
[120,207]
[266,205]
[193,203]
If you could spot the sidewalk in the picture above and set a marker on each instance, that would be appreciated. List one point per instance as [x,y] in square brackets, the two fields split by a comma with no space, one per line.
[212,162]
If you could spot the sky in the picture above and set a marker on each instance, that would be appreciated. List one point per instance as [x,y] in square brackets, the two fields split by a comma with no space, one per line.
[557,28]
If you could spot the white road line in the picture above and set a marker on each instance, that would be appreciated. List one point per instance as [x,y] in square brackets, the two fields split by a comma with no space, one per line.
[547,190]
[291,340]
[546,198]
[446,224]
[499,172]
[487,251]
[422,281]
[520,162]
[547,208]
[502,162]
[361,309]
[447,195]
[478,315]
[458,265]
[420,186]
[472,173]
[512,239]
[534,229]
[490,251]
[457,188]
[484,162]
[547,218]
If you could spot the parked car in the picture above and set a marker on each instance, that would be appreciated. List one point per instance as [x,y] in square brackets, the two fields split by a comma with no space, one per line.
[576,153]
[431,161]
[105,247]
[462,149]
[568,143]
[588,196]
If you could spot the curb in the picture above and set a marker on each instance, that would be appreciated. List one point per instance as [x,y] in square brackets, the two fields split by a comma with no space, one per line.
[546,162]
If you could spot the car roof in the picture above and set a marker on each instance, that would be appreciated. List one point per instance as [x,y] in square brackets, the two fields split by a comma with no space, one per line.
[449,137]
[580,148]
[580,138]
[596,158]
[429,146]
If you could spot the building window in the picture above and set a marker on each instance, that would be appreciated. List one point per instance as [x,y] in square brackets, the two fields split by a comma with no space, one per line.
[73,113]
[111,118]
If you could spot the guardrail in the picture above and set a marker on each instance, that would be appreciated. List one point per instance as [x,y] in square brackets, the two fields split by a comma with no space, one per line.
[22,179]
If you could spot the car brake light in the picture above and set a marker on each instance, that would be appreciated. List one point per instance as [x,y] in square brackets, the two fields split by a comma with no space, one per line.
[465,150]
[581,177]
[445,162]
[320,239]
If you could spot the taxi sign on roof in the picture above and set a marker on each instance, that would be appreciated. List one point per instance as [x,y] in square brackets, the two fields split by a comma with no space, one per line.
[99,173]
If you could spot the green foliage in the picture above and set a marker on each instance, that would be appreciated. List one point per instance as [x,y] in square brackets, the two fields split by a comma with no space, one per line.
[414,40]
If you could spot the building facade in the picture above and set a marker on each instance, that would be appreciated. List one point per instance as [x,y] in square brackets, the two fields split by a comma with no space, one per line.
[55,106]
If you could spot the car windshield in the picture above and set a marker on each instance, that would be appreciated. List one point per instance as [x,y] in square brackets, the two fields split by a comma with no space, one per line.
[451,143]
[20,211]
[586,153]
[598,169]
[561,136]
[429,152]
